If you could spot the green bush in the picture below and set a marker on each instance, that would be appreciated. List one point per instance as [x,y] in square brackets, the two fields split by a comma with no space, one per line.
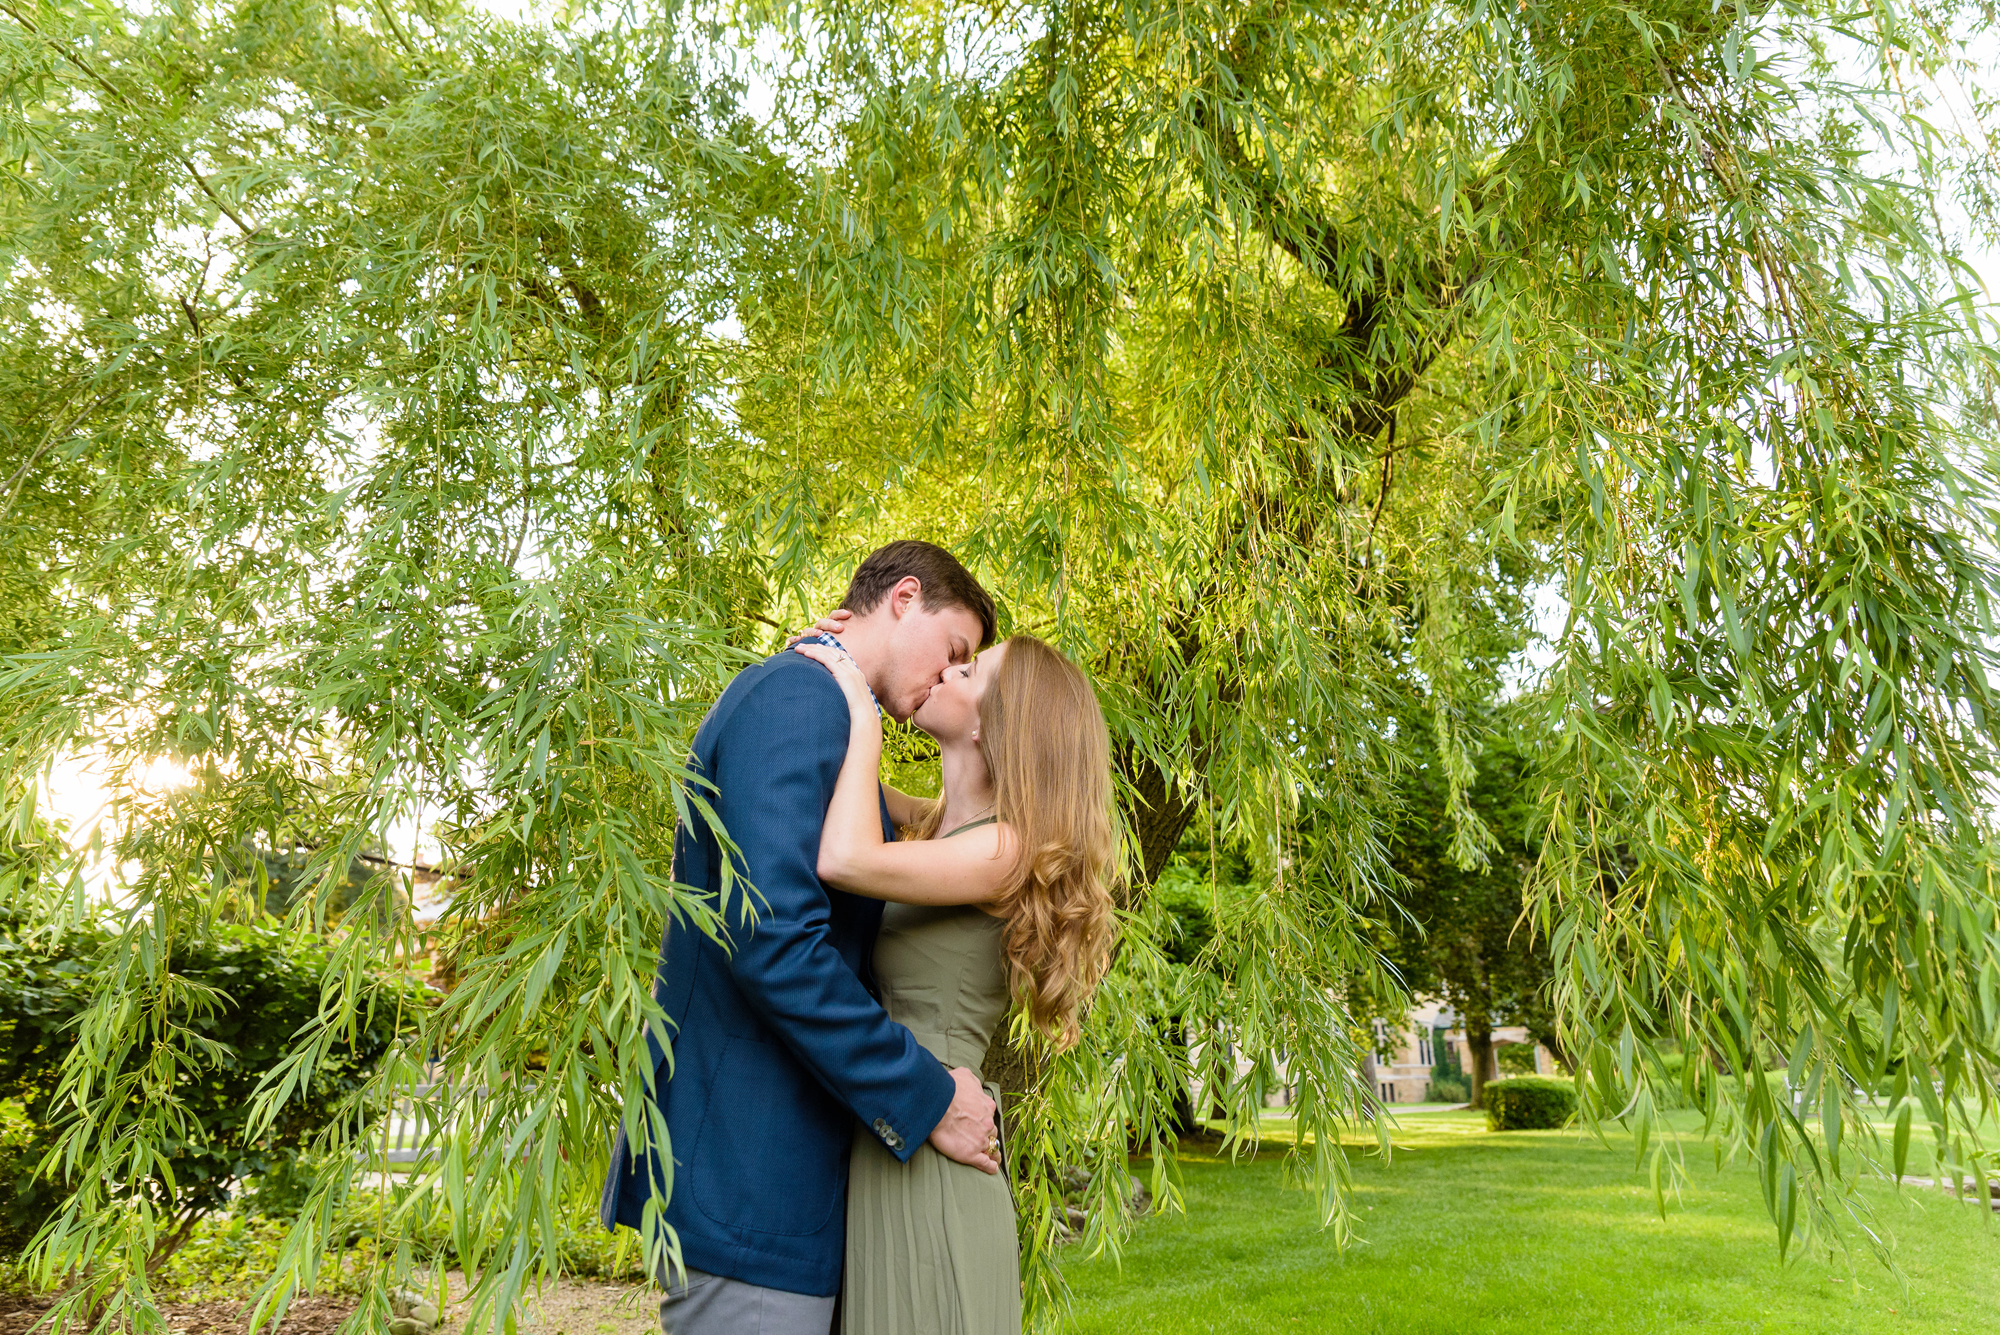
[1529,1103]
[24,1201]
[269,980]
[1450,1089]
[1516,1058]
[228,1254]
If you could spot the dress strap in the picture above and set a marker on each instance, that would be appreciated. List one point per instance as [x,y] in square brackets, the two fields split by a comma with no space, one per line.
[972,825]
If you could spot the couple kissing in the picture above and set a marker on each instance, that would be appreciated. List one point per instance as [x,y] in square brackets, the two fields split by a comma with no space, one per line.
[836,1157]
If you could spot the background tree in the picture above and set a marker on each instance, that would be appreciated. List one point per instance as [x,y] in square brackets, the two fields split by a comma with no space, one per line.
[1459,932]
[411,418]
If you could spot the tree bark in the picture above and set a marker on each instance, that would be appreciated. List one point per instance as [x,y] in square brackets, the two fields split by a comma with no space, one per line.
[1479,1046]
[164,1250]
[1160,814]
[1006,1066]
[1181,1115]
[1545,1033]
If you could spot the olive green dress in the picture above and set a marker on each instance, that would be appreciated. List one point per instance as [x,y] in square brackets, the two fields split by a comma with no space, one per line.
[930,1243]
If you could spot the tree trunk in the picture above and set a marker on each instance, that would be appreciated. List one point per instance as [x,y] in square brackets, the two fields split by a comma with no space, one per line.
[1160,814]
[1479,1046]
[1217,1111]
[1006,1066]
[1548,1037]
[164,1249]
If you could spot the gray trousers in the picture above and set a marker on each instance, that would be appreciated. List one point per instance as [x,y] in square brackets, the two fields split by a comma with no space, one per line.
[708,1304]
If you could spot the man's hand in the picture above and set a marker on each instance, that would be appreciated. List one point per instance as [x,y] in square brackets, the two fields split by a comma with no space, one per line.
[966,1131]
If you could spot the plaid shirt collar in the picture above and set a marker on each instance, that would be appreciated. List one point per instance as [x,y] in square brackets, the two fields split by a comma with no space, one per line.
[828,639]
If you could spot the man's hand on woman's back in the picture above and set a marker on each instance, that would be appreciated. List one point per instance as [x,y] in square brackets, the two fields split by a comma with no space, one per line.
[967,1131]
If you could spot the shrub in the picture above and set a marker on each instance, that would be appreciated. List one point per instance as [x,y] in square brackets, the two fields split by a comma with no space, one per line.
[269,981]
[1450,1089]
[1529,1103]
[225,1257]
[25,1201]
[1516,1058]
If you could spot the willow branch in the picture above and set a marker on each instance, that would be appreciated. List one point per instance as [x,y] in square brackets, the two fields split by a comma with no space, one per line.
[54,434]
[61,49]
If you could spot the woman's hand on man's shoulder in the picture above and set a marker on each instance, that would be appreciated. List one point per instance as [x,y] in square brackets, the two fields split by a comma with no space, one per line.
[846,675]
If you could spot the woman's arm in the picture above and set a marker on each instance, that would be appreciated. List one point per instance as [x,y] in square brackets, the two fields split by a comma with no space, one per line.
[965,869]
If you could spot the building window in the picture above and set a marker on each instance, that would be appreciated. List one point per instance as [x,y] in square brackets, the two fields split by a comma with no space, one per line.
[1388,1092]
[1424,1057]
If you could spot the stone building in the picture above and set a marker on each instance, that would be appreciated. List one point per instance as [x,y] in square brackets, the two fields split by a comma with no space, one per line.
[1401,1068]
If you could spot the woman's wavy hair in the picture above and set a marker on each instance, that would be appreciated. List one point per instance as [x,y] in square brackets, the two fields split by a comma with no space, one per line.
[1044,740]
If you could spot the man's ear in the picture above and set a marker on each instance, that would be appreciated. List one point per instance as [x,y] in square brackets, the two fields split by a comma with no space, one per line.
[904,595]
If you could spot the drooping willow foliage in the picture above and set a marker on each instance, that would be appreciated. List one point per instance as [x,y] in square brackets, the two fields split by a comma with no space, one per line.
[410,417]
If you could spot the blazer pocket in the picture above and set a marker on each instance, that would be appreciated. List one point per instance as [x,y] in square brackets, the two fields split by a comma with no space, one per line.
[771,1152]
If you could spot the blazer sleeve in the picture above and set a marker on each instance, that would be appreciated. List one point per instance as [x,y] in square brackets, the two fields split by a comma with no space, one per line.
[775,762]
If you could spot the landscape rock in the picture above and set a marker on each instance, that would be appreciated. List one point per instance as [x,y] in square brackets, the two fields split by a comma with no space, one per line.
[414,1313]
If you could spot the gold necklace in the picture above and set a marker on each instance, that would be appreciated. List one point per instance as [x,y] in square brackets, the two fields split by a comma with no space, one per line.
[968,820]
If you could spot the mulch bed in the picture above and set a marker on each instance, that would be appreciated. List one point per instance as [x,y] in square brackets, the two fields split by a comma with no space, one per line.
[309,1315]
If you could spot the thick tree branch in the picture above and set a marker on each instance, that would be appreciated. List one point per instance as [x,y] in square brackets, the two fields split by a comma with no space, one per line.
[1380,377]
[1160,814]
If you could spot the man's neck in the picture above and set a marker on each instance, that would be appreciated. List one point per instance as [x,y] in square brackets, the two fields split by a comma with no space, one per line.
[864,639]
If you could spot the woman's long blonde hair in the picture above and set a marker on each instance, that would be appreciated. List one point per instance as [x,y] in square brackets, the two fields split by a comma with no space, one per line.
[1045,744]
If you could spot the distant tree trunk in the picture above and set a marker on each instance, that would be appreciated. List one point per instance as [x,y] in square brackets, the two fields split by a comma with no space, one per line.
[1546,1035]
[1479,1046]
[1212,1089]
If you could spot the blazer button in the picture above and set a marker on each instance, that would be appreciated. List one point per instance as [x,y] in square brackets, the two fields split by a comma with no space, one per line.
[888,1133]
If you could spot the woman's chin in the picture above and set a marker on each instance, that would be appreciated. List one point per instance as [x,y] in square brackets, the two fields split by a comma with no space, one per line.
[928,726]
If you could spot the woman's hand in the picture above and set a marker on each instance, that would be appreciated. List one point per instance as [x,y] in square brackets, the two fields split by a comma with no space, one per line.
[852,684]
[832,623]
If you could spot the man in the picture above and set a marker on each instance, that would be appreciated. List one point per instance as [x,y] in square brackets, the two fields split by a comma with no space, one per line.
[779,1044]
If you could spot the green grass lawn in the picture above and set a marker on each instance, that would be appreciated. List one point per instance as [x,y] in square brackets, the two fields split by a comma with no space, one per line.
[1468,1230]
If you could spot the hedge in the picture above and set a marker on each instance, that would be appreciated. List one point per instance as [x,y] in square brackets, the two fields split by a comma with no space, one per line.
[1529,1103]
[271,981]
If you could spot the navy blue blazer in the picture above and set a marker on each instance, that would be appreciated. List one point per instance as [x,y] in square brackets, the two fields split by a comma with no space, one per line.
[779,1043]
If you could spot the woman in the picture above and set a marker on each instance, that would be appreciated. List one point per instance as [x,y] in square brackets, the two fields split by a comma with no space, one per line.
[999,892]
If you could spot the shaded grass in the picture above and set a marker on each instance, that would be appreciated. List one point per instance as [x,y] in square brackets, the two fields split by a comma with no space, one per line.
[1516,1232]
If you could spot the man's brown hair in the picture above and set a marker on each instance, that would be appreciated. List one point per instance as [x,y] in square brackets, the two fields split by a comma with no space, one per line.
[945,582]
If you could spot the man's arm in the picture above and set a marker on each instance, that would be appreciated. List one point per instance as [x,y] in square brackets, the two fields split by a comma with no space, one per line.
[775,765]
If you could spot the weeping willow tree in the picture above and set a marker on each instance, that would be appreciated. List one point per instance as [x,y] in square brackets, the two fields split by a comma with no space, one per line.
[409,418]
